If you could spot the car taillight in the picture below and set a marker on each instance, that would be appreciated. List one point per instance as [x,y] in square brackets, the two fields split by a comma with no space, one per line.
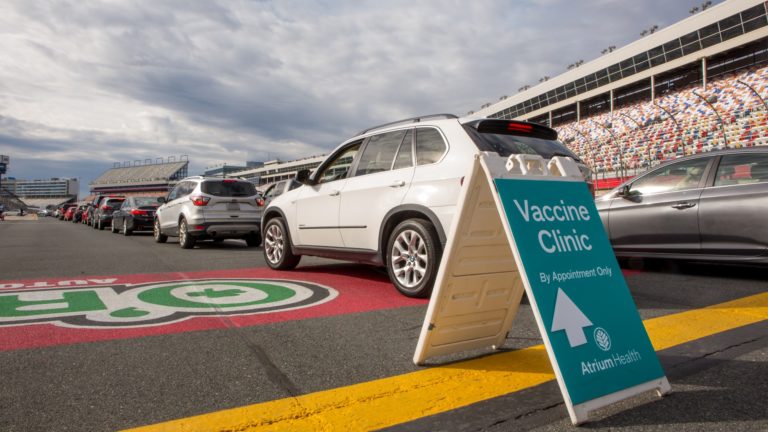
[137,212]
[260,202]
[200,201]
[106,208]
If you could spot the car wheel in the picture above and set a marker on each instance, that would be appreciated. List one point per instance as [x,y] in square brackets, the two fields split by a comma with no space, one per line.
[413,257]
[126,231]
[186,241]
[101,225]
[157,234]
[253,240]
[112,227]
[277,246]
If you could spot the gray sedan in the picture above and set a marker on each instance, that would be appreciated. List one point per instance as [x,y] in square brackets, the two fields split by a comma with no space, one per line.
[710,206]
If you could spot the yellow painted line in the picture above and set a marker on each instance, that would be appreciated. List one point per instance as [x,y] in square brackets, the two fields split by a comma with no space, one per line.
[399,399]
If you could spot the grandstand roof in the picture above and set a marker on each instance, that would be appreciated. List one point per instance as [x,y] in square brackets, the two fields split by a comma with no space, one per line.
[142,174]
[564,89]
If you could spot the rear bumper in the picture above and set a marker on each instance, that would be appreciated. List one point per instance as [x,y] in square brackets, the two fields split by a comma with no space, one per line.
[224,229]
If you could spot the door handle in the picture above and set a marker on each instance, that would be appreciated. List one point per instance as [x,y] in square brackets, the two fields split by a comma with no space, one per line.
[397,184]
[334,193]
[684,205]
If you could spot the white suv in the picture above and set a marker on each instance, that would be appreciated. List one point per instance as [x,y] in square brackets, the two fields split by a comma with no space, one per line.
[388,195]
[200,208]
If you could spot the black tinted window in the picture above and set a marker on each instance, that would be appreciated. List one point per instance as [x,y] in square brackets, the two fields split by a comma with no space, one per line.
[228,188]
[145,201]
[429,146]
[506,145]
[114,203]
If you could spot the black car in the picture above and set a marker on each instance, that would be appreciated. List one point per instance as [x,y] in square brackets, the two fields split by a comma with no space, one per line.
[137,213]
[705,207]
[102,215]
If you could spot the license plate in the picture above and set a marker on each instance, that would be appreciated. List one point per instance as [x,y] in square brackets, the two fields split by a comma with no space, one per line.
[233,206]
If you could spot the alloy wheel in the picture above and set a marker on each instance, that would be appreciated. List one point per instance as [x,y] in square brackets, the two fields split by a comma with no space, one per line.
[409,258]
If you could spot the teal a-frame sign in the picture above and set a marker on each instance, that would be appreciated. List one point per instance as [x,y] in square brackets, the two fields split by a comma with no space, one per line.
[524,224]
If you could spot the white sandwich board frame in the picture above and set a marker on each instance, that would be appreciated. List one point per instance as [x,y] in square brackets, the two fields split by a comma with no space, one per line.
[482,277]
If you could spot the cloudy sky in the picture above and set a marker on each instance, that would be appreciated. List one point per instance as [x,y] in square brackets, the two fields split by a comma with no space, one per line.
[85,84]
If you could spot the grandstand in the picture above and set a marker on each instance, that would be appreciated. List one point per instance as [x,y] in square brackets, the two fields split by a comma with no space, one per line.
[695,86]
[154,178]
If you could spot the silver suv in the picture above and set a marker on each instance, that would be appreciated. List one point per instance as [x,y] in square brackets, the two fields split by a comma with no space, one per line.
[200,208]
[387,196]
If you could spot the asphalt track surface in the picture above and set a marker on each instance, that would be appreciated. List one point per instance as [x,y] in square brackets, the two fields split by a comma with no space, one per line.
[64,378]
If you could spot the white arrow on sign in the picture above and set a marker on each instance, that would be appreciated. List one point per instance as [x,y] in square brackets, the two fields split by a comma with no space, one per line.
[570,318]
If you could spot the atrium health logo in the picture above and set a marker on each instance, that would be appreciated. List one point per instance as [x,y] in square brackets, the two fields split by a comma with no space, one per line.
[602,339]
[157,303]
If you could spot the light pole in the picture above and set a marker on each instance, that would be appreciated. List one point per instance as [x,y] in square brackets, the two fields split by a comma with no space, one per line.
[615,143]
[674,120]
[591,149]
[710,101]
[754,92]
[642,130]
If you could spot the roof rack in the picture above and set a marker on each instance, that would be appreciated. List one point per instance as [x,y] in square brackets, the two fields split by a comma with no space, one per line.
[409,120]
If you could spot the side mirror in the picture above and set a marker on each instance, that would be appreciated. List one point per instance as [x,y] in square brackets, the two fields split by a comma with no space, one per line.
[303,177]
[161,200]
[624,191]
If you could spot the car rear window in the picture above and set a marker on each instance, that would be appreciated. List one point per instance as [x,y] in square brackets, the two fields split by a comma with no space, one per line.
[509,137]
[228,188]
[114,202]
[146,201]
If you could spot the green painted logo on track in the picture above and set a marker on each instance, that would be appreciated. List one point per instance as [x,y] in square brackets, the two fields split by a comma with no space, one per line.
[157,303]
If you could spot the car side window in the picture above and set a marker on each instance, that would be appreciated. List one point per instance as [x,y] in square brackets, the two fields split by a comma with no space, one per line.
[339,167]
[674,177]
[186,189]
[430,146]
[379,153]
[742,169]
[176,192]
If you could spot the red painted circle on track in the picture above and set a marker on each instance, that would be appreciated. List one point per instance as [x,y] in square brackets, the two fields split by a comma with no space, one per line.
[360,289]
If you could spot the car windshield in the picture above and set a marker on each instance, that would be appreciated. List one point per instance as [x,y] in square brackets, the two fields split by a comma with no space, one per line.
[228,188]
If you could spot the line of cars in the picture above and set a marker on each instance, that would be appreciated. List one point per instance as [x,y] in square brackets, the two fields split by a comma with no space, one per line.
[196,209]
[388,195]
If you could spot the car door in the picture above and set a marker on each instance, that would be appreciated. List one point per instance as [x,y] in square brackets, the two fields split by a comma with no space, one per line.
[658,213]
[169,213]
[317,206]
[732,212]
[378,184]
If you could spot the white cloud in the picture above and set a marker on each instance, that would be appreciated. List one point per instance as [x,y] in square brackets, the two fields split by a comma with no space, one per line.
[225,81]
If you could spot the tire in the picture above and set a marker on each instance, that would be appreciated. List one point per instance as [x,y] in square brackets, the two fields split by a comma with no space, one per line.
[413,257]
[101,226]
[157,234]
[112,228]
[186,241]
[253,240]
[126,231]
[277,246]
